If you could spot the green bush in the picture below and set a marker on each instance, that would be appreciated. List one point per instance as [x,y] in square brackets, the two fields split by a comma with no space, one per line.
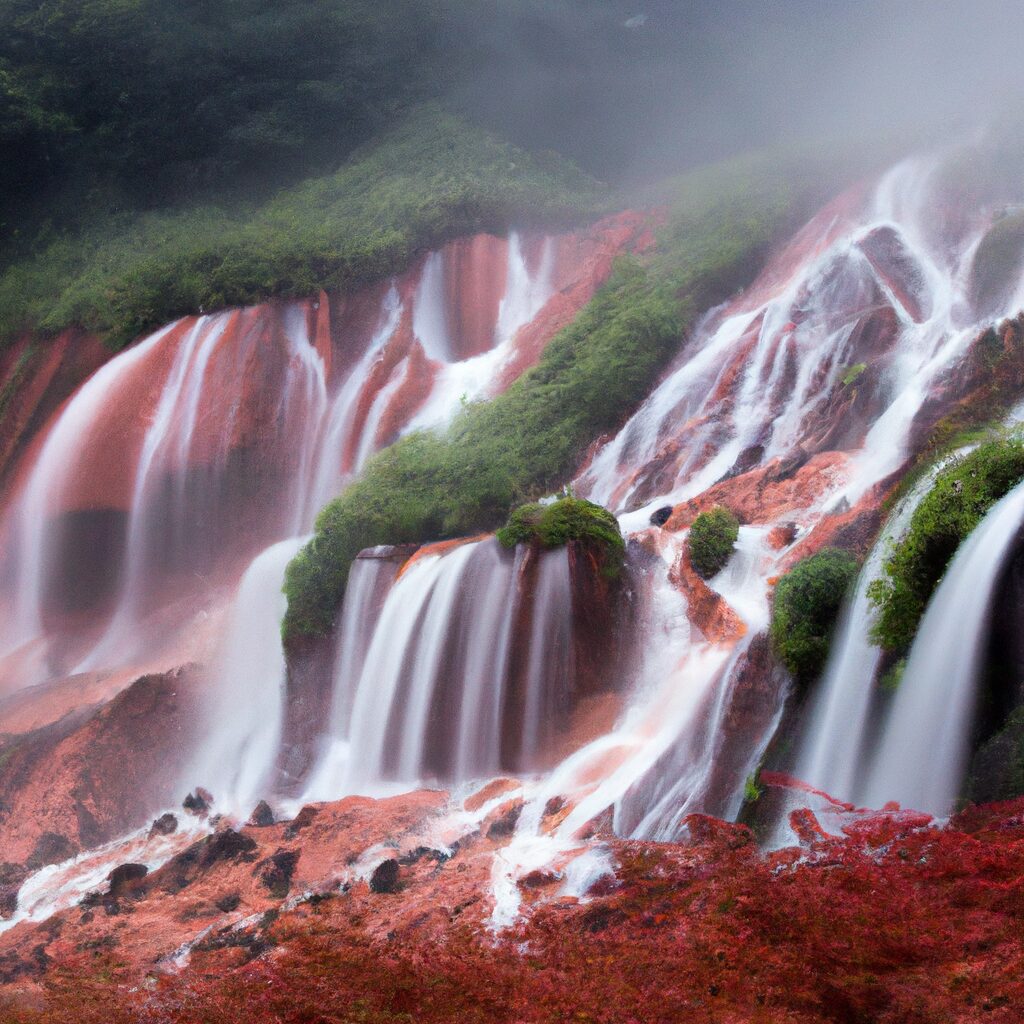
[807,603]
[712,540]
[957,502]
[568,519]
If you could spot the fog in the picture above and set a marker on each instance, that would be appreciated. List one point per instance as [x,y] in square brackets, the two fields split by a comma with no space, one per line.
[634,90]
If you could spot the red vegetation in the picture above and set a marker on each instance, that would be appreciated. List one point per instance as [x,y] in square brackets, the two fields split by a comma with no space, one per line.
[898,921]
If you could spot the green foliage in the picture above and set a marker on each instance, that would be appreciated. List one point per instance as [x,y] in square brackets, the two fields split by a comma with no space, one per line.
[752,792]
[893,676]
[711,540]
[957,502]
[852,373]
[568,519]
[431,179]
[525,442]
[167,98]
[807,602]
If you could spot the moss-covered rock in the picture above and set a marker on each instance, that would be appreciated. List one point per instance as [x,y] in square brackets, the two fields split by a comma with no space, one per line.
[957,502]
[711,540]
[565,520]
[807,603]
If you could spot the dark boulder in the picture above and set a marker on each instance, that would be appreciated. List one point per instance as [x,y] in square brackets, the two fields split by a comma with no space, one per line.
[121,879]
[198,802]
[385,877]
[165,825]
[262,815]
[660,516]
[276,872]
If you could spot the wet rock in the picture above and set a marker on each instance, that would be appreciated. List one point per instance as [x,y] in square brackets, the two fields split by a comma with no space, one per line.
[11,877]
[122,877]
[228,903]
[165,825]
[385,877]
[505,819]
[660,516]
[276,872]
[198,802]
[262,815]
[302,820]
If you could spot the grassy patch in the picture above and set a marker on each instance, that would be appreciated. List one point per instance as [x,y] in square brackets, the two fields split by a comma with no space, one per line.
[431,179]
[807,603]
[711,540]
[957,502]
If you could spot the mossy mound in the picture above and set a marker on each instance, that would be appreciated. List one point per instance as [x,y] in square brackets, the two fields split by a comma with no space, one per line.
[712,540]
[565,520]
[958,500]
[807,603]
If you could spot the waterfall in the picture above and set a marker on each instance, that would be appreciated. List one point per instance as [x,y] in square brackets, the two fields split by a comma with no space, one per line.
[438,695]
[162,441]
[923,751]
[832,754]
[244,710]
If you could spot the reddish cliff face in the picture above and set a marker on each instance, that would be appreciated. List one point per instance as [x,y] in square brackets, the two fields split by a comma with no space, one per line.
[384,906]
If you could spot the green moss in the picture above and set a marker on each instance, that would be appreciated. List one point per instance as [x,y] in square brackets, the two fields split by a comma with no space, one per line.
[527,441]
[807,603]
[752,792]
[431,179]
[852,373]
[957,502]
[711,540]
[893,676]
[568,519]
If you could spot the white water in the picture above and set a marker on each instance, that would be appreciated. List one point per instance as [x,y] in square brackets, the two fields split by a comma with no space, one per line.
[432,695]
[245,700]
[836,736]
[924,747]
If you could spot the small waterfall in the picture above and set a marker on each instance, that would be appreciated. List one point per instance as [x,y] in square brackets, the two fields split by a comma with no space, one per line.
[429,315]
[29,519]
[525,294]
[923,751]
[439,695]
[550,662]
[833,751]
[246,693]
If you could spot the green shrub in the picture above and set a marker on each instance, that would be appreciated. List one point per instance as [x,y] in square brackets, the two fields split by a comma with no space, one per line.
[957,502]
[807,603]
[568,519]
[712,540]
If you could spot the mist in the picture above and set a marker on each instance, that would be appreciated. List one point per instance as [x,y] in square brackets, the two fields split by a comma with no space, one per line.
[637,90]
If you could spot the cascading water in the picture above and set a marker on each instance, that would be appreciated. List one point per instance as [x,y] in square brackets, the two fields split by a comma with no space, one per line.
[923,751]
[435,695]
[833,752]
[245,702]
[203,408]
